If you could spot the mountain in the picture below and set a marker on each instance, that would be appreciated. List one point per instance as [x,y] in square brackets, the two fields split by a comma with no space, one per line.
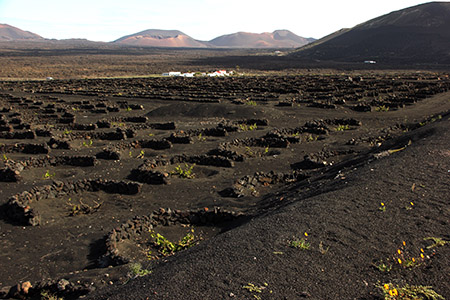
[276,39]
[160,38]
[10,33]
[418,34]
[175,38]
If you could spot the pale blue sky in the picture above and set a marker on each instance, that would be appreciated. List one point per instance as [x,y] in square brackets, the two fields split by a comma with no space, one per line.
[107,20]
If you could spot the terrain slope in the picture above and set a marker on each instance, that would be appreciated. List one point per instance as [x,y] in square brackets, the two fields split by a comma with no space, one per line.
[350,235]
[276,39]
[160,38]
[11,33]
[418,34]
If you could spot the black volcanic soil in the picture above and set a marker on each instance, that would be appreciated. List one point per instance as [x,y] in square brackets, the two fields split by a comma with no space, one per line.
[89,167]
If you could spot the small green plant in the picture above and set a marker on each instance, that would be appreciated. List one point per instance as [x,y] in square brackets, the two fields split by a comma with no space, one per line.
[66,132]
[302,243]
[252,127]
[311,138]
[136,270]
[82,208]
[382,108]
[129,108]
[253,288]
[151,134]
[186,172]
[88,143]
[266,150]
[46,295]
[201,138]
[245,127]
[437,242]
[408,292]
[251,103]
[141,154]
[256,289]
[383,266]
[405,260]
[249,151]
[166,247]
[410,206]
[5,158]
[48,175]
[342,128]
[382,207]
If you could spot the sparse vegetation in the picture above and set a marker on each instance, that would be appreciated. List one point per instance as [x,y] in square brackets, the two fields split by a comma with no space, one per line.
[140,161]
[201,138]
[136,270]
[437,242]
[82,208]
[402,259]
[166,247]
[406,260]
[249,151]
[342,128]
[88,143]
[186,172]
[383,266]
[46,295]
[48,175]
[301,243]
[256,289]
[245,127]
[311,138]
[141,154]
[382,108]
[410,206]
[408,292]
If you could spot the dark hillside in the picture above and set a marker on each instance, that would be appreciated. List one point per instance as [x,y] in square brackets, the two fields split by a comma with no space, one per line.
[418,35]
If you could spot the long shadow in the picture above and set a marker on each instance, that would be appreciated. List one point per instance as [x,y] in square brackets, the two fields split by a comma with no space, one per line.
[4,216]
[323,181]
[96,250]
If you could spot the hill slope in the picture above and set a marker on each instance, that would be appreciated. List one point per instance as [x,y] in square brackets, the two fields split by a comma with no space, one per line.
[276,39]
[344,215]
[160,38]
[418,34]
[11,33]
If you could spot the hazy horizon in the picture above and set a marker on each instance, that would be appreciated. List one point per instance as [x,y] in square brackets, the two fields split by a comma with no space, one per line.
[201,19]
